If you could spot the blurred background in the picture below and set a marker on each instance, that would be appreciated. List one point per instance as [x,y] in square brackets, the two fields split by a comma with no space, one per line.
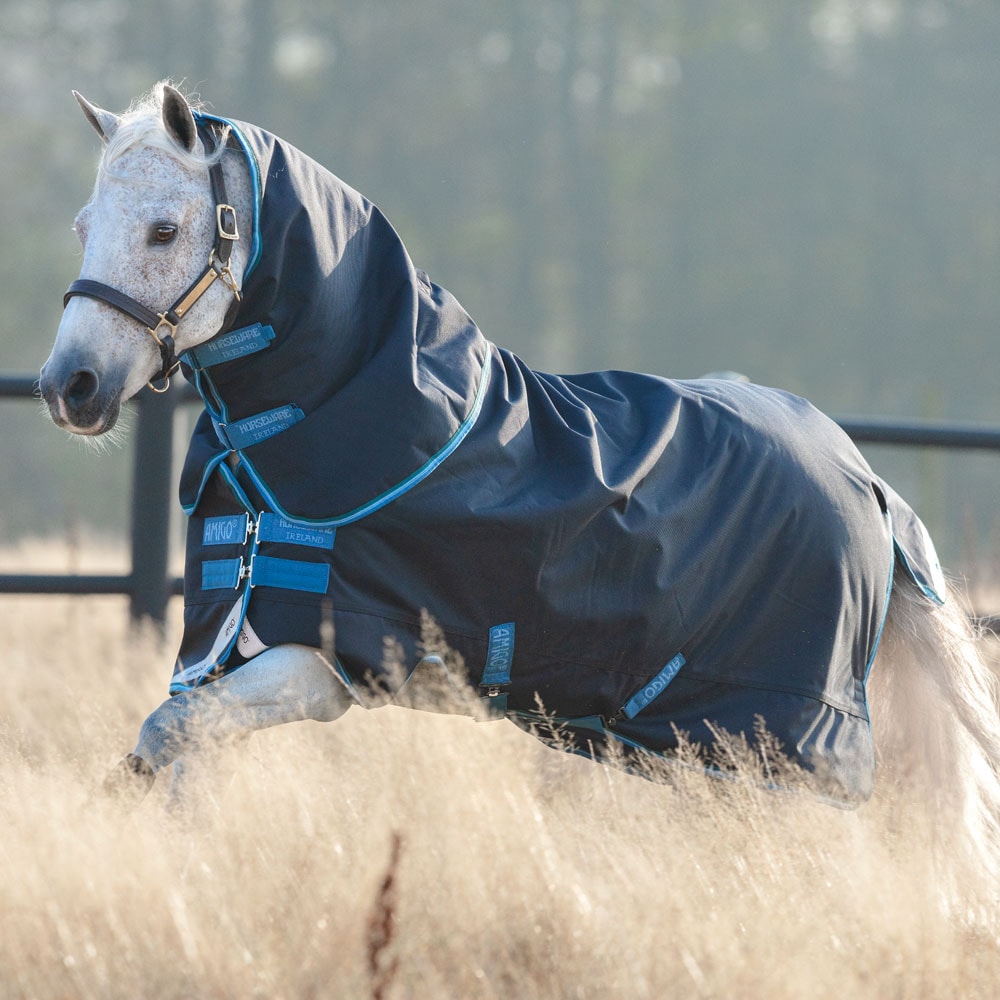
[806,191]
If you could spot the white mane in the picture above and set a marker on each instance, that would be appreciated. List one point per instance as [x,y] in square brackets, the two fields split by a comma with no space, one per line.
[142,125]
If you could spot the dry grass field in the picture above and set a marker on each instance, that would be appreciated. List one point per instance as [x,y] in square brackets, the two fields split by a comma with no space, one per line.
[402,854]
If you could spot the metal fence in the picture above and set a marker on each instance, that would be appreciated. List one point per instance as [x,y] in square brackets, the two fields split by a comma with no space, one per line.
[149,585]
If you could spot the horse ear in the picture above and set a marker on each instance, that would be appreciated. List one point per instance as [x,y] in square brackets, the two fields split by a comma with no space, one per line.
[178,119]
[104,122]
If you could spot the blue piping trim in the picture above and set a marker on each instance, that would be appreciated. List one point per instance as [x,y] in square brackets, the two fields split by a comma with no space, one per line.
[929,592]
[179,685]
[258,195]
[215,406]
[345,678]
[407,484]
[893,549]
[210,467]
[219,413]
[233,483]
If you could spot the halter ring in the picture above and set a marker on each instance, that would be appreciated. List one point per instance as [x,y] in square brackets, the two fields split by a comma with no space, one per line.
[168,358]
[154,331]
[159,390]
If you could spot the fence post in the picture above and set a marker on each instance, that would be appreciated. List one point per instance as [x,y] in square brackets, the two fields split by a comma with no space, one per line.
[152,475]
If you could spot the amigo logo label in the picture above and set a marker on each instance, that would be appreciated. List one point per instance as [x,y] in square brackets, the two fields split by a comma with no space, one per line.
[225,530]
[500,655]
[654,688]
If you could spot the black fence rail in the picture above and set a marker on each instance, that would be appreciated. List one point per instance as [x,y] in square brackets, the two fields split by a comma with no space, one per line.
[925,433]
[149,585]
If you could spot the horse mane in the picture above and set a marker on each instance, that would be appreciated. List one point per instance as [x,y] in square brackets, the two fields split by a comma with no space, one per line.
[142,125]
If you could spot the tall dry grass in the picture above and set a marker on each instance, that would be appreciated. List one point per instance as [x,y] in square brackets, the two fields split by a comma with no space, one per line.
[403,854]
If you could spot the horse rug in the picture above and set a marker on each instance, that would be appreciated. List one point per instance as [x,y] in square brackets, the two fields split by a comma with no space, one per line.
[626,556]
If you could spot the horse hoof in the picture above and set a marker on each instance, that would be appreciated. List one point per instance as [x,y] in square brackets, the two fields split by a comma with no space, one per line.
[129,781]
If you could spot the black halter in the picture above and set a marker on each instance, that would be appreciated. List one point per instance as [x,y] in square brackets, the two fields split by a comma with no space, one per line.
[226,233]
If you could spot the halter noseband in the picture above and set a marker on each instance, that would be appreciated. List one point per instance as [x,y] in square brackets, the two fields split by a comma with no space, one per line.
[226,234]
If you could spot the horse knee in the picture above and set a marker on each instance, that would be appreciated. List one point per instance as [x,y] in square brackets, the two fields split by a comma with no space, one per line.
[325,709]
[286,684]
[291,683]
[163,734]
[321,694]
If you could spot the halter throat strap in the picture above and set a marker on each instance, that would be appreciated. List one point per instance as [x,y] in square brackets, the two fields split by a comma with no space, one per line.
[162,327]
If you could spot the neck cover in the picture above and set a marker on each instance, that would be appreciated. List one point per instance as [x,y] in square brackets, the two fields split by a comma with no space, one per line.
[638,555]
[384,365]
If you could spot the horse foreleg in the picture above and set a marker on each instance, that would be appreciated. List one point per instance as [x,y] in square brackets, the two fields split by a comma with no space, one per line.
[283,684]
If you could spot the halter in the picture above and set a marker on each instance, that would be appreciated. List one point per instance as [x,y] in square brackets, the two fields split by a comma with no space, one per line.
[226,234]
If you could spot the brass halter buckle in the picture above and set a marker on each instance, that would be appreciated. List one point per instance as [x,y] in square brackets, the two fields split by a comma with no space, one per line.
[225,222]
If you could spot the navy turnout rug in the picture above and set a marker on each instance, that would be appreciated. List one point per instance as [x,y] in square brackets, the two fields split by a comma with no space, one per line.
[638,555]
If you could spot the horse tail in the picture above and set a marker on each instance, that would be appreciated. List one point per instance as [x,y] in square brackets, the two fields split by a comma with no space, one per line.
[935,710]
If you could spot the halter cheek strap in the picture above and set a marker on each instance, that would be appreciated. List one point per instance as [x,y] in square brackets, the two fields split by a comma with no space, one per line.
[162,327]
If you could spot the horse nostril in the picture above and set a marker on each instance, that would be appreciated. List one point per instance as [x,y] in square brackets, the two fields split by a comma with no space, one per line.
[81,387]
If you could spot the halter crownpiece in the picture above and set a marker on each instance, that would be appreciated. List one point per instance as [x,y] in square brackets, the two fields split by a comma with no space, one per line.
[226,234]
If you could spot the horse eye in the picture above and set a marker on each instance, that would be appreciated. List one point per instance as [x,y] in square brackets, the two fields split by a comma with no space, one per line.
[163,233]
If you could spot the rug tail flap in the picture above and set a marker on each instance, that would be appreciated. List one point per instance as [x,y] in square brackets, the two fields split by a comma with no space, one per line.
[914,547]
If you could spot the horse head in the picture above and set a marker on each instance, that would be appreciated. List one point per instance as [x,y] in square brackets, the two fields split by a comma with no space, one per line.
[151,236]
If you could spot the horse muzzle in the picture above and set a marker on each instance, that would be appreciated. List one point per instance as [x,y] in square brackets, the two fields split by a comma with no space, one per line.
[80,401]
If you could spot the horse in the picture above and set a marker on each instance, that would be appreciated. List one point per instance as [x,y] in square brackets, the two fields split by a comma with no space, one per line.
[618,562]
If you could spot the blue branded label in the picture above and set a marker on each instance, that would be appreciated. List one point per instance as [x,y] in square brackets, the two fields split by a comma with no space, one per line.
[654,688]
[499,656]
[252,430]
[232,345]
[274,528]
[228,530]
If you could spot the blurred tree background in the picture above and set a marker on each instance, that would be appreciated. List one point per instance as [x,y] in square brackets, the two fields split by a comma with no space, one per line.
[807,191]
